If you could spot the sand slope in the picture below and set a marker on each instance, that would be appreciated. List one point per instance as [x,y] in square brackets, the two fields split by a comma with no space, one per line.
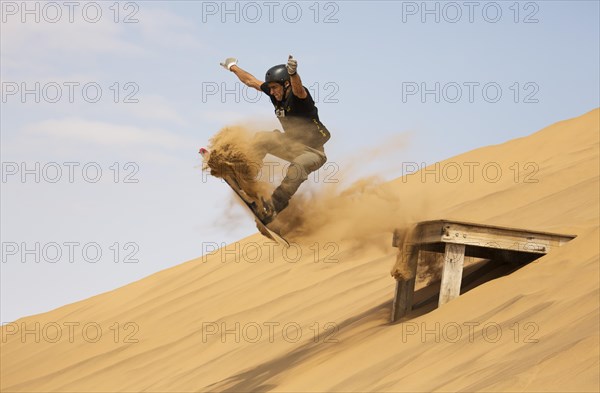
[316,318]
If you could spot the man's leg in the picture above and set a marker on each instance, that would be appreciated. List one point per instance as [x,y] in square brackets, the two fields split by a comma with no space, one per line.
[300,167]
[274,143]
[267,142]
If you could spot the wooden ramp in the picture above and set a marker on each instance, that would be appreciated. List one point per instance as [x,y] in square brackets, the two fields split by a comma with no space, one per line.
[456,240]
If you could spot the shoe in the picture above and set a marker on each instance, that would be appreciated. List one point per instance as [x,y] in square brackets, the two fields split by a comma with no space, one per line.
[268,213]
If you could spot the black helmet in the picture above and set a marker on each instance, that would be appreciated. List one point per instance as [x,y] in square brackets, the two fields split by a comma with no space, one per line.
[277,74]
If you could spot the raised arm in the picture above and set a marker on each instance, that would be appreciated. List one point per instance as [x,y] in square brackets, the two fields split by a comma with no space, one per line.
[297,88]
[245,77]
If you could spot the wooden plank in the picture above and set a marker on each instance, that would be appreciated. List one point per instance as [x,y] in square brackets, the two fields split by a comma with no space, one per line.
[405,284]
[506,239]
[452,273]
[489,236]
[495,227]
[403,298]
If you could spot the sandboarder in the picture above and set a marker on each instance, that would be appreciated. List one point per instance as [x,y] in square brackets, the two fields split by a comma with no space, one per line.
[304,135]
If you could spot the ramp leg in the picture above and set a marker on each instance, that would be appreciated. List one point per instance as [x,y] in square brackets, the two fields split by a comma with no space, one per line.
[454,258]
[405,287]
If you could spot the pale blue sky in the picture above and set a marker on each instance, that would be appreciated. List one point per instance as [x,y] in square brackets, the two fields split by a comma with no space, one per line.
[358,65]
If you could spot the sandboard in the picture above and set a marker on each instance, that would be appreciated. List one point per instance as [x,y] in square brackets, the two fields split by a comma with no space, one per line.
[250,204]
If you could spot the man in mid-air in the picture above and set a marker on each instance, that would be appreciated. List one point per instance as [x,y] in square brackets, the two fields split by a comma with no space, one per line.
[304,135]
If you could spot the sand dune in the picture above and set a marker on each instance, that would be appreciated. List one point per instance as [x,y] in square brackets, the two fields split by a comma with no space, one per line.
[315,317]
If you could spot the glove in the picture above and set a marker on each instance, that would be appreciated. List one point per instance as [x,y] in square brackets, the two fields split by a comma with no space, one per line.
[292,65]
[229,62]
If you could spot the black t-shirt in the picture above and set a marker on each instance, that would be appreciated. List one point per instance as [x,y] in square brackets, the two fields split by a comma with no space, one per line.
[300,120]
